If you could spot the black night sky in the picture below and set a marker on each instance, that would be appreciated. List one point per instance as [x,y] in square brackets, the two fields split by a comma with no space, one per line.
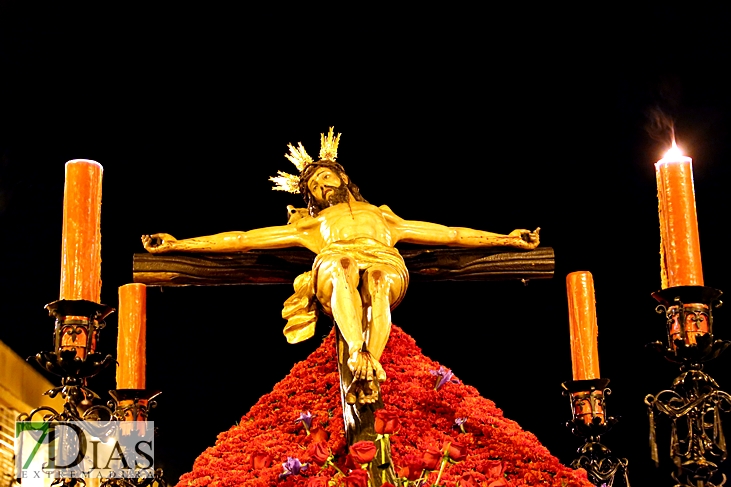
[491,120]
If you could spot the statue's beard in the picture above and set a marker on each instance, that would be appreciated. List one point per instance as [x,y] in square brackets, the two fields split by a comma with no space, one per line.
[338,195]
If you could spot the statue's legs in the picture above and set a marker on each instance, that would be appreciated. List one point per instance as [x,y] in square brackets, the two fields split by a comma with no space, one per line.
[337,290]
[338,281]
[380,287]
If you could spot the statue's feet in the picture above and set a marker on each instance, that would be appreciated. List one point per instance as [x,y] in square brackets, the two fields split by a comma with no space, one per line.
[380,373]
[365,367]
[367,374]
[362,392]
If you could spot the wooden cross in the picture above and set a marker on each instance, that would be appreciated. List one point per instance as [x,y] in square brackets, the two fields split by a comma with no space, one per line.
[283,265]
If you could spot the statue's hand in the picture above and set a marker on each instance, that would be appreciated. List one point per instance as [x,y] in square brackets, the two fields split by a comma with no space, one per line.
[158,243]
[296,214]
[528,240]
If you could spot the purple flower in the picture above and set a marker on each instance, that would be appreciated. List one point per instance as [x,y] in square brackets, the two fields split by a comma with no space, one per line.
[459,422]
[306,419]
[292,467]
[443,376]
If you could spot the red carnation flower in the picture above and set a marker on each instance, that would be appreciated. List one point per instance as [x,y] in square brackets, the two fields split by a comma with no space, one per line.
[348,463]
[457,451]
[432,458]
[412,467]
[317,482]
[318,434]
[363,451]
[469,480]
[261,460]
[357,478]
[493,468]
[387,422]
[318,452]
[494,473]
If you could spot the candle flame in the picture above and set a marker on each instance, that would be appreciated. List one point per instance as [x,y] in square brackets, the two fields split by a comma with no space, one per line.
[674,151]
[674,154]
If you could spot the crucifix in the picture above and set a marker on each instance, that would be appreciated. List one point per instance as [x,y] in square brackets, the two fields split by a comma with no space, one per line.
[357,276]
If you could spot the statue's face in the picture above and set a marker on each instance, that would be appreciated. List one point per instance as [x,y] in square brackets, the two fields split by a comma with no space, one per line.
[326,186]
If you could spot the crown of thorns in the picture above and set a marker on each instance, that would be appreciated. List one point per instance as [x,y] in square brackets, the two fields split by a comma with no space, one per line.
[298,156]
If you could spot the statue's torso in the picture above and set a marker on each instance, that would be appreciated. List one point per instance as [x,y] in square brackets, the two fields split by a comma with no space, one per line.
[344,222]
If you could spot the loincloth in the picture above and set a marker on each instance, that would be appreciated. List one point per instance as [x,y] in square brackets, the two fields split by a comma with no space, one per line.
[300,310]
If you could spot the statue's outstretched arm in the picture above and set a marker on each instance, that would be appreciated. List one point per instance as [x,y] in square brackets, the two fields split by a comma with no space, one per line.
[425,233]
[259,238]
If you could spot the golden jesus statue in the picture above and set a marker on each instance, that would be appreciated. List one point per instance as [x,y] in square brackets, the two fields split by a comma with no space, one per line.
[358,276]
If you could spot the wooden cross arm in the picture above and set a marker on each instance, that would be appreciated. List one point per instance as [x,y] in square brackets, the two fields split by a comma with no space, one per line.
[281,266]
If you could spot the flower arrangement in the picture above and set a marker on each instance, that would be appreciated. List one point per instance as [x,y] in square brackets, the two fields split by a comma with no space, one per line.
[446,435]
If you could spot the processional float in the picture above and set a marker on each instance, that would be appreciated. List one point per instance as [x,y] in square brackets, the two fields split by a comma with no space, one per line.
[364,252]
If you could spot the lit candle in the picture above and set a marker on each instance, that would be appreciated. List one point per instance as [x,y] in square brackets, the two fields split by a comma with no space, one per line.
[680,251]
[583,327]
[81,236]
[131,336]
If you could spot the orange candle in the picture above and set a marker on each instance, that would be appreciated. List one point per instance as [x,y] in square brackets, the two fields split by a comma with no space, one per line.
[680,251]
[583,327]
[81,236]
[131,337]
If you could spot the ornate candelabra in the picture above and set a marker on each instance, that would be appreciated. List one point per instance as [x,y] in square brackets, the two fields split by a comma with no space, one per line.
[74,357]
[75,360]
[694,402]
[589,421]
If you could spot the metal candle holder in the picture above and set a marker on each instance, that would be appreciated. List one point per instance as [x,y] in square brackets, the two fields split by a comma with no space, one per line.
[695,401]
[590,421]
[75,359]
[133,404]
